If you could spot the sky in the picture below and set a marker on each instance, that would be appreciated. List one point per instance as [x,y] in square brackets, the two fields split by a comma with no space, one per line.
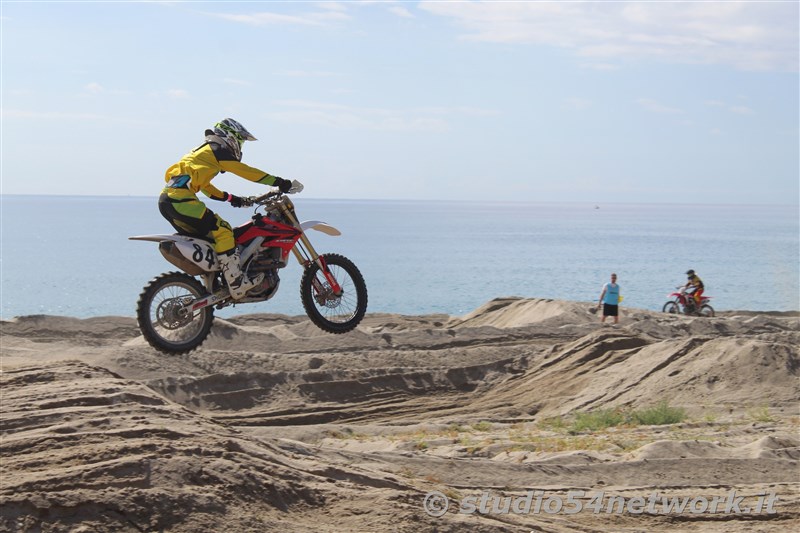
[666,102]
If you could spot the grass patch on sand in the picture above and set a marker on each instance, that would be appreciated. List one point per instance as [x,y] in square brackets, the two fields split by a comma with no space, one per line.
[760,414]
[658,415]
[555,444]
[555,423]
[597,420]
[344,434]
[482,426]
[611,429]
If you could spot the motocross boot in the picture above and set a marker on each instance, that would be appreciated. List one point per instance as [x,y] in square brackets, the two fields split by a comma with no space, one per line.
[238,282]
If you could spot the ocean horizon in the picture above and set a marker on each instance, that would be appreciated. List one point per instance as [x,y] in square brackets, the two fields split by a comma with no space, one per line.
[70,255]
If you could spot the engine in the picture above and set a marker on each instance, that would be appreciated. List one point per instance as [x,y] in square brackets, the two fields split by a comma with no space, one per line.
[267,262]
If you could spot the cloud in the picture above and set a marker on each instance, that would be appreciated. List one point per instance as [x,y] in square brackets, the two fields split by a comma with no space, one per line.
[600,66]
[178,93]
[425,119]
[266,19]
[741,110]
[327,13]
[458,110]
[737,109]
[307,73]
[233,81]
[66,116]
[332,7]
[94,88]
[656,107]
[745,35]
[401,11]
[578,104]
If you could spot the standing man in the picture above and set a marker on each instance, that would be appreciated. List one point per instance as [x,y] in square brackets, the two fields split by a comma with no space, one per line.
[609,299]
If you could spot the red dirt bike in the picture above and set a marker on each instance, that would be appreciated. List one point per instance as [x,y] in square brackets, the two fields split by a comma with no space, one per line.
[175,310]
[683,303]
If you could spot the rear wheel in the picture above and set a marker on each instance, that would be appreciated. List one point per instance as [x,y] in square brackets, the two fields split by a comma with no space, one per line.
[671,308]
[706,311]
[165,315]
[334,313]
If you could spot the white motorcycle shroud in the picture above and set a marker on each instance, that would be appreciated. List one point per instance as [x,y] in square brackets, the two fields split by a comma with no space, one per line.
[200,252]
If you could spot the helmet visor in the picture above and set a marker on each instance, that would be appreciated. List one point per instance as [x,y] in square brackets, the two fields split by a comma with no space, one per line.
[235,130]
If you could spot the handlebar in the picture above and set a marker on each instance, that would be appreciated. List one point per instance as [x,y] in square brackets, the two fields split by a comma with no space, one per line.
[251,200]
[274,193]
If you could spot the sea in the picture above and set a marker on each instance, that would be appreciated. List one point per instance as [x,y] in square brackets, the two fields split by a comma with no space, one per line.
[71,256]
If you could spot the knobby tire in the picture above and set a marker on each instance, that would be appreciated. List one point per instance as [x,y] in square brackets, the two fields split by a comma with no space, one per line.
[202,321]
[353,302]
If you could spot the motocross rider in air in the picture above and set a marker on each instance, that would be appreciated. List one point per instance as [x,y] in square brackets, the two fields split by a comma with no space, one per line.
[695,286]
[178,202]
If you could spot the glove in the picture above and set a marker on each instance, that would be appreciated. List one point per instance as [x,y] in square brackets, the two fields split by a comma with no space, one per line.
[282,184]
[236,201]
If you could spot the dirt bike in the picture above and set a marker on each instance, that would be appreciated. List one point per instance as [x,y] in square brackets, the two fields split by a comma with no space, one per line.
[175,310]
[683,303]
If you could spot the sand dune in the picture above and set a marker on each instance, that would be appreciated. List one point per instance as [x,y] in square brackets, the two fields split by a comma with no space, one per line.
[274,425]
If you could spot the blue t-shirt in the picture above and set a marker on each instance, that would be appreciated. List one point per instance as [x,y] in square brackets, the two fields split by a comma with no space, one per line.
[612,294]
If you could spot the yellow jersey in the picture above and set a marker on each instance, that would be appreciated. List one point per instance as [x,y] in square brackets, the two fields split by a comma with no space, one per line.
[209,159]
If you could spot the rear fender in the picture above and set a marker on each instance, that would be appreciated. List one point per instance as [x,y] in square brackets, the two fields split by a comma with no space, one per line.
[158,238]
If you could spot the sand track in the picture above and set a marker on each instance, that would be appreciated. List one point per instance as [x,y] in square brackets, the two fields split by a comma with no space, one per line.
[275,426]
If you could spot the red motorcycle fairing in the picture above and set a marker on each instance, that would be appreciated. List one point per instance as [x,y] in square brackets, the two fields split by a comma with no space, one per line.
[683,298]
[275,234]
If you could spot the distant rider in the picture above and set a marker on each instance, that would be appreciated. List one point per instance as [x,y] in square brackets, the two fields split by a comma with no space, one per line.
[694,287]
[178,203]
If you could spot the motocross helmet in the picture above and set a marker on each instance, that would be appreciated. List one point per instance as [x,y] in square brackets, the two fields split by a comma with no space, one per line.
[234,135]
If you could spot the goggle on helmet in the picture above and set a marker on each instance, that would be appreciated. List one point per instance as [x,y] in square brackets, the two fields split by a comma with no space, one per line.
[234,129]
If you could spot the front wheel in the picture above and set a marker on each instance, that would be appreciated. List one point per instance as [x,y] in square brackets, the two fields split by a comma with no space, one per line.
[165,315]
[331,312]
[706,311]
[671,308]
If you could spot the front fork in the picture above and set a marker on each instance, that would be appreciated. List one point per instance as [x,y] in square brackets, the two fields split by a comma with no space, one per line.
[305,254]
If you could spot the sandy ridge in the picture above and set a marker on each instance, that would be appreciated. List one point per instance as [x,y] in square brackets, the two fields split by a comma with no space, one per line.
[275,426]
